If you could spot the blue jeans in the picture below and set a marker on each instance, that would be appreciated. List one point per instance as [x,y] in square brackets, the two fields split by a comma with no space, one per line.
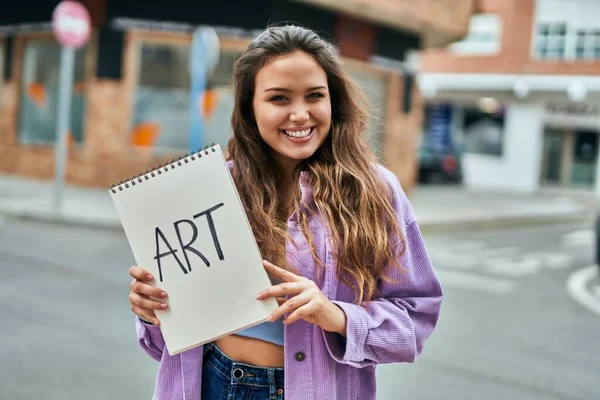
[225,379]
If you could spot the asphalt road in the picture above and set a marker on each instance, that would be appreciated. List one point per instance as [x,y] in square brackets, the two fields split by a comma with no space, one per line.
[508,330]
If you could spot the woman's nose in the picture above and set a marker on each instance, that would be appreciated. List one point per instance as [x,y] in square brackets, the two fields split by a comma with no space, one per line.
[299,113]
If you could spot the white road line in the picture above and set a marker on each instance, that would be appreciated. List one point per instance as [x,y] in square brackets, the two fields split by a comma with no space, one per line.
[519,267]
[466,280]
[448,259]
[511,251]
[577,288]
[554,260]
[582,238]
[469,245]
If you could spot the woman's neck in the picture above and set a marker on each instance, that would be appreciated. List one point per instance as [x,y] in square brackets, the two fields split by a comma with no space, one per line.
[287,183]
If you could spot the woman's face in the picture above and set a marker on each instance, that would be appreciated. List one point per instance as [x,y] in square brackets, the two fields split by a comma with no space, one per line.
[292,107]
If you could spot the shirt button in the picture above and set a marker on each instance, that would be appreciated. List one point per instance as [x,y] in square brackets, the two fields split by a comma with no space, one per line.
[300,356]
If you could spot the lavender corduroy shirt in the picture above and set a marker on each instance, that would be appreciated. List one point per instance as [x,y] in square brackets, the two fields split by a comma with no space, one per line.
[321,365]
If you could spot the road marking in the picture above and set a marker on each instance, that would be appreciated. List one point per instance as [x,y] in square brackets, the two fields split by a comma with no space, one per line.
[511,251]
[467,245]
[469,255]
[554,260]
[577,288]
[449,259]
[582,238]
[524,266]
[466,280]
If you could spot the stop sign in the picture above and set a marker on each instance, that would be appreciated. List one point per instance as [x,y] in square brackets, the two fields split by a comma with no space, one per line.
[71,24]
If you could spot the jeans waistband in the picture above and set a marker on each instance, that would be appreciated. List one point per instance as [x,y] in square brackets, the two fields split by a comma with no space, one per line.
[241,373]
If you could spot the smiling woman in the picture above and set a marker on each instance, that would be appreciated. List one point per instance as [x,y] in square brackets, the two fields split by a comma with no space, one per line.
[350,272]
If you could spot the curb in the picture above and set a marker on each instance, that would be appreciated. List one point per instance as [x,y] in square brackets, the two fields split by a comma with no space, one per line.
[65,220]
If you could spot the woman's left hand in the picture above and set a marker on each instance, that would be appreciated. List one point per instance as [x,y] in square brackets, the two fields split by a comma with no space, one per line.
[304,301]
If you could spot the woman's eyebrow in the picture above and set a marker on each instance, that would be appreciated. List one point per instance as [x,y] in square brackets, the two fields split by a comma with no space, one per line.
[280,89]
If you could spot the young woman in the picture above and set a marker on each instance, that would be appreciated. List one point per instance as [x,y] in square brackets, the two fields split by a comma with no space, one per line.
[356,287]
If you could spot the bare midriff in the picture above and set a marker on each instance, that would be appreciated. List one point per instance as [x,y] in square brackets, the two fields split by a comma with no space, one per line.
[251,351]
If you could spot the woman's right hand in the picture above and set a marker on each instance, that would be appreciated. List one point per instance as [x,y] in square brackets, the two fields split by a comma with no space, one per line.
[140,293]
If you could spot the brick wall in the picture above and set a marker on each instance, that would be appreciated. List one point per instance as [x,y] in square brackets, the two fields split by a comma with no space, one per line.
[517,19]
[106,156]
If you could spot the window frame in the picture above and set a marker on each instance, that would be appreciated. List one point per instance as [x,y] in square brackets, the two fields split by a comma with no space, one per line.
[91,57]
[481,24]
[134,40]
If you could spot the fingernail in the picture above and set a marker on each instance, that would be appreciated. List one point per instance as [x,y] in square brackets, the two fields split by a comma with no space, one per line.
[163,306]
[149,277]
[163,294]
[270,319]
[259,297]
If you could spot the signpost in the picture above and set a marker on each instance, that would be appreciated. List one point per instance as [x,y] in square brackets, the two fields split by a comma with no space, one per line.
[72,27]
[204,58]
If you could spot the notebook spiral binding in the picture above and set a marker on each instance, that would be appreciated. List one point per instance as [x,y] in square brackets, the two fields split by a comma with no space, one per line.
[160,169]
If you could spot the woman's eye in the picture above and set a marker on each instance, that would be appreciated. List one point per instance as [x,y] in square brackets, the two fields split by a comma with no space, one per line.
[315,95]
[277,98]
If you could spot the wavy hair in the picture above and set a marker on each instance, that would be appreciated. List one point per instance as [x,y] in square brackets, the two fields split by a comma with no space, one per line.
[347,190]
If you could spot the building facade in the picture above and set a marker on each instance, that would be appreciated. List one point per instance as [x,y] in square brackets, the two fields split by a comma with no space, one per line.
[131,91]
[523,88]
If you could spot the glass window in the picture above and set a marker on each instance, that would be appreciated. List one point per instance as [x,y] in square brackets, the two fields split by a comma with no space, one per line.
[161,118]
[484,37]
[551,39]
[38,103]
[483,128]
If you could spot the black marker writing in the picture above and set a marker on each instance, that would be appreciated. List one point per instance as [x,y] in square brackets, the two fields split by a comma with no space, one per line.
[211,226]
[158,234]
[189,245]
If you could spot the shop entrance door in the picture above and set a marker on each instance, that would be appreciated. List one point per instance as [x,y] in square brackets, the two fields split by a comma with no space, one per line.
[570,158]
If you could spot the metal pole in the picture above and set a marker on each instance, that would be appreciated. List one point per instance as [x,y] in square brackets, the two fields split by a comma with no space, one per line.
[198,86]
[65,88]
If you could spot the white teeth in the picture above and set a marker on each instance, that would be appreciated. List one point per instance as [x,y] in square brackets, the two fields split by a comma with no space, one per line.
[298,134]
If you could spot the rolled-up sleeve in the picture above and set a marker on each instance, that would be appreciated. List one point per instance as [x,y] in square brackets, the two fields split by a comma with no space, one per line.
[150,338]
[395,326]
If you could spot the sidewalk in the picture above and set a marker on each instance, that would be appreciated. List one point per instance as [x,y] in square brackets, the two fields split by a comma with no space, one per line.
[438,208]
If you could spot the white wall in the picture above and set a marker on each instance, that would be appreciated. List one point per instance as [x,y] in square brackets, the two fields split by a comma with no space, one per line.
[518,169]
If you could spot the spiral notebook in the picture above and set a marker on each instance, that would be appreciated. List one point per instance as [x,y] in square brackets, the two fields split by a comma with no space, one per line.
[185,223]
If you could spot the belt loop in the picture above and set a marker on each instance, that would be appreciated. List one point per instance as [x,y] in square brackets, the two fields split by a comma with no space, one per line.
[272,383]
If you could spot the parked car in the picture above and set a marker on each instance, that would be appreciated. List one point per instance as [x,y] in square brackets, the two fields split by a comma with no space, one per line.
[439,166]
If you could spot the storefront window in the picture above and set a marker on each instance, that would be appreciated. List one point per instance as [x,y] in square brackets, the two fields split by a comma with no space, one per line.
[38,104]
[162,99]
[483,128]
[484,37]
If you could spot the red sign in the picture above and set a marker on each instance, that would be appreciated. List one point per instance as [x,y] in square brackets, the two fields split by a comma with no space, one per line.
[71,24]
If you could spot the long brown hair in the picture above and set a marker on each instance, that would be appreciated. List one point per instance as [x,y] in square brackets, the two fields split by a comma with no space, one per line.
[347,190]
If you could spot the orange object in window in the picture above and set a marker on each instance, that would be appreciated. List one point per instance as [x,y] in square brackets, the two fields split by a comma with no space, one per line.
[79,88]
[70,138]
[37,94]
[211,99]
[145,134]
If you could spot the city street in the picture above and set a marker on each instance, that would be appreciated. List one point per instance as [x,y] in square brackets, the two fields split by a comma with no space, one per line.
[509,328]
